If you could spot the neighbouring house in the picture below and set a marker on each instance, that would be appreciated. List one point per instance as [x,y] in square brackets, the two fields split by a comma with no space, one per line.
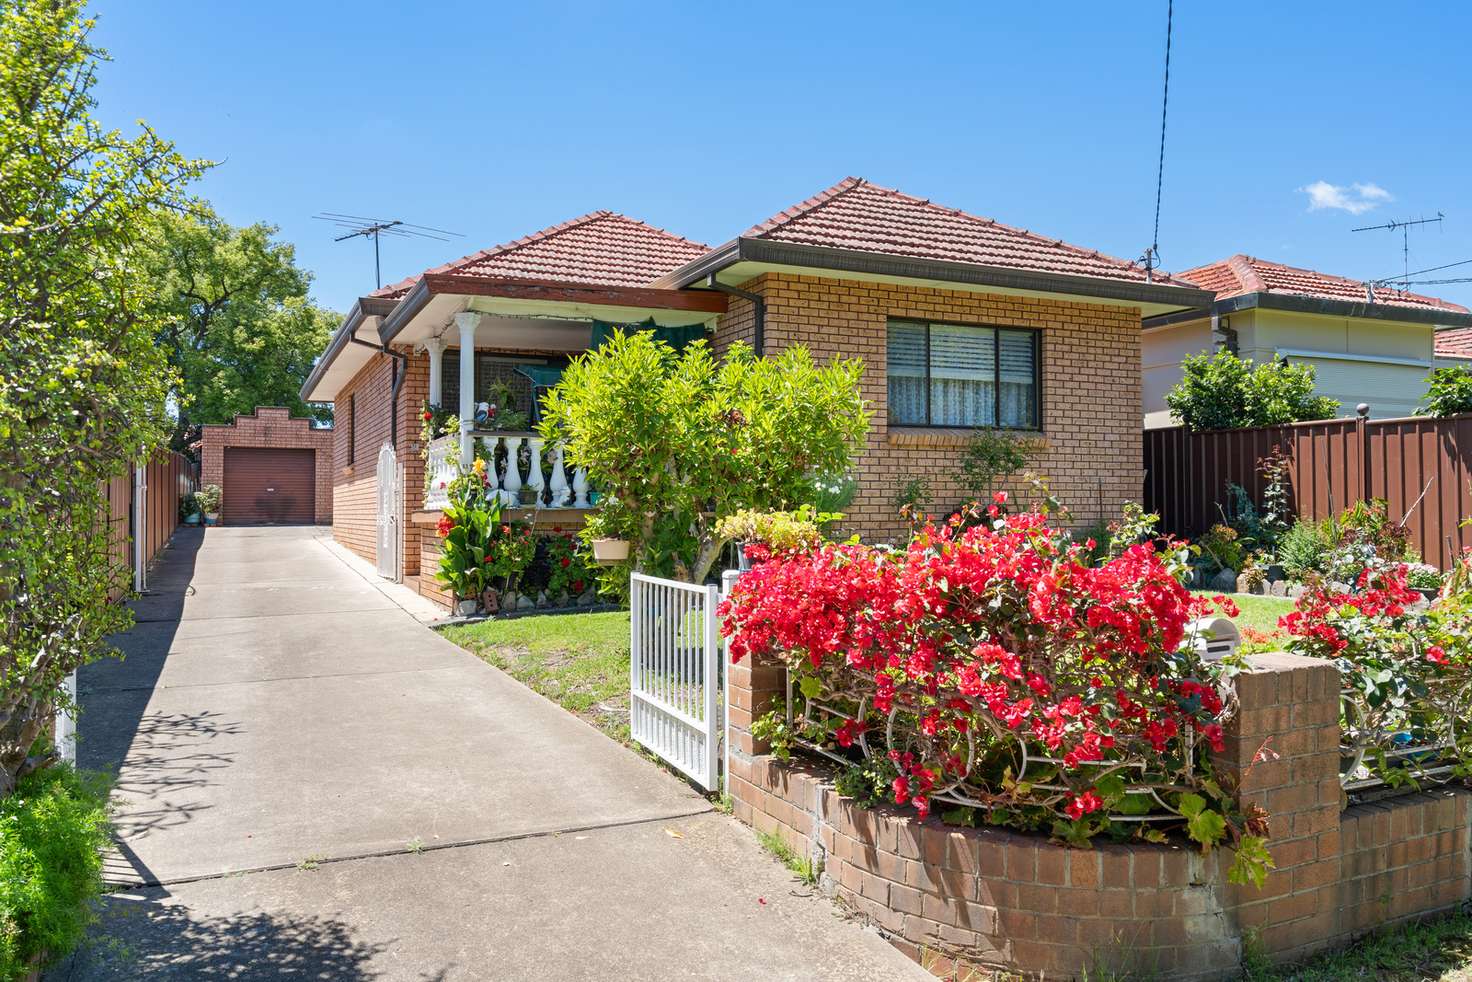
[273,469]
[963,323]
[1454,348]
[1368,344]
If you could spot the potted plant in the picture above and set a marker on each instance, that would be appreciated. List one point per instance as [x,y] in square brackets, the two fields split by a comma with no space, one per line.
[604,532]
[188,513]
[208,498]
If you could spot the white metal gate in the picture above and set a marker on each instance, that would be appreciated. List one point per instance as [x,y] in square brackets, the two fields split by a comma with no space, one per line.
[390,500]
[674,674]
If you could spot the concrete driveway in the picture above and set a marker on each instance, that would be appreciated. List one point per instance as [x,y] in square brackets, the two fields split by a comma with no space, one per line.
[311,784]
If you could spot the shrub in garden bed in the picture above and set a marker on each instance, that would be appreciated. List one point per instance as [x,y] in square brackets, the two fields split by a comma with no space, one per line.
[992,671]
[1406,671]
[53,830]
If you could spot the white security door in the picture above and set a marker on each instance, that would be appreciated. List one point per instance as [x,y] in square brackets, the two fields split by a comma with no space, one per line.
[390,504]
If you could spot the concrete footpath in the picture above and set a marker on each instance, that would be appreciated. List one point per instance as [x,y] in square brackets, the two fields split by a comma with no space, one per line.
[311,784]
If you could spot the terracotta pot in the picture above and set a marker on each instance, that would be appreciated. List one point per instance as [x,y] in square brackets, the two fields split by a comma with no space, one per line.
[610,551]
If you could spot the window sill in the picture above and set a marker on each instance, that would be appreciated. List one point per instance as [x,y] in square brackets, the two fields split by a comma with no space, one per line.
[946,436]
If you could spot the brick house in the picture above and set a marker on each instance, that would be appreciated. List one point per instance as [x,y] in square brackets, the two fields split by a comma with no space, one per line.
[1367,343]
[963,324]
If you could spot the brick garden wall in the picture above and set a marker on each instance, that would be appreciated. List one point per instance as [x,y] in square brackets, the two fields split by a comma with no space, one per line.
[270,426]
[1000,899]
[1091,387]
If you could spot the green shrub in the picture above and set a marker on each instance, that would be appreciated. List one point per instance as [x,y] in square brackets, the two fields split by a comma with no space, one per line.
[1223,391]
[991,457]
[52,834]
[1303,550]
[1448,392]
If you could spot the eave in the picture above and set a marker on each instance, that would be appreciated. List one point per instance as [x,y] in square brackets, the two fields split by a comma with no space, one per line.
[553,294]
[752,254]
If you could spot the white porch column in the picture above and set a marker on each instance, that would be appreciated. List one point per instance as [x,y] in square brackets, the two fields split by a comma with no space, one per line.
[436,349]
[467,322]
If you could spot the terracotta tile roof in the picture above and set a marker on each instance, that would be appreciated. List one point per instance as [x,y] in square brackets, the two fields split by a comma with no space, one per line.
[1454,344]
[857,215]
[602,248]
[1245,274]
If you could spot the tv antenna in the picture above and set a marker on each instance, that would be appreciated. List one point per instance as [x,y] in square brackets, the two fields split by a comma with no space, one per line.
[1405,242]
[374,228]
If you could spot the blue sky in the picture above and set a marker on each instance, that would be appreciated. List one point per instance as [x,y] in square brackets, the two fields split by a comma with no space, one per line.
[495,120]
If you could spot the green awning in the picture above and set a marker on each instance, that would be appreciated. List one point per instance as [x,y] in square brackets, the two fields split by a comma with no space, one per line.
[675,337]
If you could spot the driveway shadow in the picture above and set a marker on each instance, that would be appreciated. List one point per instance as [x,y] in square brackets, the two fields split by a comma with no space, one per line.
[142,935]
[157,758]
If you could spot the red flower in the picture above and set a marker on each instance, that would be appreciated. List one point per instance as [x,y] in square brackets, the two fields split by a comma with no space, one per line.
[444,527]
[565,562]
[428,415]
[1084,804]
[577,586]
[1434,653]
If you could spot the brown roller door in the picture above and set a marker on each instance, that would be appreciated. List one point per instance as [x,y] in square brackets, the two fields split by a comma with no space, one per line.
[269,485]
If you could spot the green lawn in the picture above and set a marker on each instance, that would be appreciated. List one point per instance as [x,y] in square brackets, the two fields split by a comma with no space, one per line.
[1435,951]
[579,661]
[1258,613]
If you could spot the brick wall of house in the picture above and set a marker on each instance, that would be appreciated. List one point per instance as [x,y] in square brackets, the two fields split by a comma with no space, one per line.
[1020,903]
[355,470]
[271,426]
[1091,387]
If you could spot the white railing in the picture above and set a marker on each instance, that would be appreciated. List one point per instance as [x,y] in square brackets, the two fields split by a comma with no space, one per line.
[544,472]
[439,469]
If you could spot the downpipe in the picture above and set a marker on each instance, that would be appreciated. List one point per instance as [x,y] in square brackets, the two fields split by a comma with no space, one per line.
[759,310]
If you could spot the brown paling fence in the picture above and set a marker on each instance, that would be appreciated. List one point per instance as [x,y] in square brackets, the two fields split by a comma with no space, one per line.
[169,478]
[1419,465]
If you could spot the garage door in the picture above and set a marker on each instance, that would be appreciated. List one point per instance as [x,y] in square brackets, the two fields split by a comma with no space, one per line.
[269,485]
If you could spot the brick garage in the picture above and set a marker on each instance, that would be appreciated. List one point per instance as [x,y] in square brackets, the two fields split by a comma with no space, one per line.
[270,427]
[1021,903]
[1091,437]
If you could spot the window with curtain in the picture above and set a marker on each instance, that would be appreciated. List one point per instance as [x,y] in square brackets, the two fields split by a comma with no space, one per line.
[963,375]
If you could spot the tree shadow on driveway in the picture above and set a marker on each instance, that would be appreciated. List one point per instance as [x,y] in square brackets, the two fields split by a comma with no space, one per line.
[147,934]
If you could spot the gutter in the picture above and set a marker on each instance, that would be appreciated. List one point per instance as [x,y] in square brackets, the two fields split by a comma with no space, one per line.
[364,307]
[759,310]
[1297,303]
[887,264]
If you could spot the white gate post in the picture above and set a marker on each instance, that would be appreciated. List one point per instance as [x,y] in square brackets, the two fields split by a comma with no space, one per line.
[712,679]
[66,722]
[140,527]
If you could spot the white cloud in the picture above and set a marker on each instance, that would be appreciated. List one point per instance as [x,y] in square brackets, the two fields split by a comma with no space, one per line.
[1356,198]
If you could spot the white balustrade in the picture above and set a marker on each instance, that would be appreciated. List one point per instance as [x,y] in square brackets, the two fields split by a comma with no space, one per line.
[441,468]
[534,478]
[580,488]
[507,481]
[559,489]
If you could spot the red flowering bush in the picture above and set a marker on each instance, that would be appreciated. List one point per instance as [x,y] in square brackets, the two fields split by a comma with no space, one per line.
[1404,669]
[568,569]
[994,668]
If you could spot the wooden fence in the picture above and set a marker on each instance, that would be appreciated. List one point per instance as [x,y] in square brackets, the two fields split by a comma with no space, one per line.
[1420,466]
[168,479]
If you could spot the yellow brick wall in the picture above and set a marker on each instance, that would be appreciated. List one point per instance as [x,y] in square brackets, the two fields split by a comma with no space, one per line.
[1091,388]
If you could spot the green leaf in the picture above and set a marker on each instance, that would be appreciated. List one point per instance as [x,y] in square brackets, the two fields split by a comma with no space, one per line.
[1207,827]
[1190,805]
[810,686]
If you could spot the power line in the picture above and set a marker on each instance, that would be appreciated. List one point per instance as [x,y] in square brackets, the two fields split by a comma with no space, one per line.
[1431,269]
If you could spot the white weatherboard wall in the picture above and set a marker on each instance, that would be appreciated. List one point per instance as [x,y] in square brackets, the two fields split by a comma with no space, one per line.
[1356,359]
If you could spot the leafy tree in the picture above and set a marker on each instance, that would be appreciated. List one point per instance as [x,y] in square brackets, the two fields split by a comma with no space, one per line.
[1448,392]
[1223,391]
[680,441]
[234,318]
[82,382]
